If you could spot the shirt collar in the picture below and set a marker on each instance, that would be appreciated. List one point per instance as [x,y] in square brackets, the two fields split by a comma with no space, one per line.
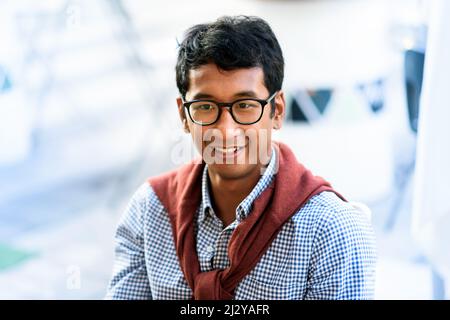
[206,200]
[245,206]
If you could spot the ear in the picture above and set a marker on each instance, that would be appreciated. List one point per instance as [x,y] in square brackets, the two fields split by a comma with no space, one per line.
[280,108]
[182,114]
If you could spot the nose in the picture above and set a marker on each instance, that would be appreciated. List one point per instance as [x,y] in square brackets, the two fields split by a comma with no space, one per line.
[229,129]
[225,120]
[226,130]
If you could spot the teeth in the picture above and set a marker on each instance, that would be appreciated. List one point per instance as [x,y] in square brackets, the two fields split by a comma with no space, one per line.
[226,150]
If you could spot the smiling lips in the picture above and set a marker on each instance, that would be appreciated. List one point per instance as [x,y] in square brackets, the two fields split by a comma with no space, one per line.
[228,152]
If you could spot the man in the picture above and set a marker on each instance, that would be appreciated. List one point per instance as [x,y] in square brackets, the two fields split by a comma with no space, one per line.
[247,221]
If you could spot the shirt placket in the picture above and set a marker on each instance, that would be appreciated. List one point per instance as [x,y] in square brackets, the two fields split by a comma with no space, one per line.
[221,260]
[209,231]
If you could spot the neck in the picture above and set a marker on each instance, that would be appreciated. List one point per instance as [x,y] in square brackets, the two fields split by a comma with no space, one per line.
[227,194]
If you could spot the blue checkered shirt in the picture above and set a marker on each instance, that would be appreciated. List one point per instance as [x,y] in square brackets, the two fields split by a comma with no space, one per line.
[325,251]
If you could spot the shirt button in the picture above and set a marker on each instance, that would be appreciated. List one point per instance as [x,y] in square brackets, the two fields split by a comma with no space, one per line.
[210,249]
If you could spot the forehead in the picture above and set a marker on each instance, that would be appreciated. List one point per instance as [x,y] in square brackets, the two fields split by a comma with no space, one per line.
[224,84]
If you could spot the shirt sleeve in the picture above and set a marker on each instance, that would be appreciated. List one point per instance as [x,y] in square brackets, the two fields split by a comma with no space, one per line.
[343,261]
[129,279]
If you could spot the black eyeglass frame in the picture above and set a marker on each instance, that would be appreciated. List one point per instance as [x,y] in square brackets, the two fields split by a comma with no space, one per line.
[229,105]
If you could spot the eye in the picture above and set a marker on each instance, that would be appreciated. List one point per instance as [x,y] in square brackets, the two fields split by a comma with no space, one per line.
[202,107]
[247,104]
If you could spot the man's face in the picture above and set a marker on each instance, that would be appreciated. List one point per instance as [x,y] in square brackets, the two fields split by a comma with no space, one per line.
[230,149]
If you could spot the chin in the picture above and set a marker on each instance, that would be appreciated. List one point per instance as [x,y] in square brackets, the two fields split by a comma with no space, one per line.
[233,171]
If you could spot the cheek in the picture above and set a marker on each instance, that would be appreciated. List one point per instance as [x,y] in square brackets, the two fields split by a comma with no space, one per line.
[265,129]
[197,134]
[265,133]
[260,136]
[202,136]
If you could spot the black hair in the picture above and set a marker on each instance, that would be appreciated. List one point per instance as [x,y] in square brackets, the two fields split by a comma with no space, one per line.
[231,42]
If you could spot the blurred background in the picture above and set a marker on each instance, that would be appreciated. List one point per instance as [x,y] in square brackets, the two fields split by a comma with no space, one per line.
[88,112]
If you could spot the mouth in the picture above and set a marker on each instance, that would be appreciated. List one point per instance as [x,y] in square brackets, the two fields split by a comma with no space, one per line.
[229,152]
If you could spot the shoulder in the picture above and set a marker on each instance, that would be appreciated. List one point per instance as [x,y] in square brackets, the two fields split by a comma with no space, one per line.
[143,203]
[173,179]
[333,219]
[343,256]
[173,186]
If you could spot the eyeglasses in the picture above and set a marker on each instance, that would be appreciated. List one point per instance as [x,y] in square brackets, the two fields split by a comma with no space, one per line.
[243,111]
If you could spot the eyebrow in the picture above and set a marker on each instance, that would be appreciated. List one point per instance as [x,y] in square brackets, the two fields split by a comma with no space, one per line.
[241,94]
